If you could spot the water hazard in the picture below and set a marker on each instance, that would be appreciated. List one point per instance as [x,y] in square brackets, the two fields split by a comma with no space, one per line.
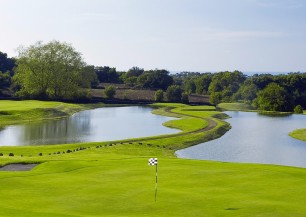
[255,138]
[103,124]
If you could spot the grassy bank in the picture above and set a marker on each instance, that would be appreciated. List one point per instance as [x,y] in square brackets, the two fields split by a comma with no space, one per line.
[235,107]
[114,179]
[15,112]
[299,134]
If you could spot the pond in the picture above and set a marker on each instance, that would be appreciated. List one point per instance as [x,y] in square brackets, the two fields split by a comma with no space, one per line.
[102,124]
[255,138]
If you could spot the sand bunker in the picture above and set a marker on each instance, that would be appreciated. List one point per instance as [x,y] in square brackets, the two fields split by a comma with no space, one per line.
[18,167]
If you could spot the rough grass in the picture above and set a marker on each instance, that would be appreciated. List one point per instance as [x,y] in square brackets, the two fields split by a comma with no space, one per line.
[114,179]
[235,107]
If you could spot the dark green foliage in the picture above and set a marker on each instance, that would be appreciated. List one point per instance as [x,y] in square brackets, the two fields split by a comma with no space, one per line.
[189,86]
[155,79]
[274,98]
[185,98]
[130,77]
[224,85]
[159,96]
[202,83]
[89,77]
[6,64]
[298,109]
[106,74]
[11,154]
[174,93]
[110,92]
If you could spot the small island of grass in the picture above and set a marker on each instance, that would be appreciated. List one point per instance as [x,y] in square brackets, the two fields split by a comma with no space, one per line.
[299,134]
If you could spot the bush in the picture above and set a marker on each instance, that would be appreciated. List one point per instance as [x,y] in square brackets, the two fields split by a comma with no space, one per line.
[159,96]
[1,154]
[110,92]
[11,154]
[298,109]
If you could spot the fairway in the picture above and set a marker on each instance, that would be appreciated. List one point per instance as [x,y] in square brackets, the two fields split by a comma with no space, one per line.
[114,179]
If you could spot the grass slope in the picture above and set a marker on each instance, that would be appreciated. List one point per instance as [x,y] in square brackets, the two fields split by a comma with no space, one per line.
[299,134]
[114,179]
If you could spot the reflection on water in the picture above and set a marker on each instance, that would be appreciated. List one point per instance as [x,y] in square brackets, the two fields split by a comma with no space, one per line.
[255,139]
[103,124]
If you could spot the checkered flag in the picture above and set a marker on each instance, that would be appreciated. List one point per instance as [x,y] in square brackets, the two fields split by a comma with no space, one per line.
[152,161]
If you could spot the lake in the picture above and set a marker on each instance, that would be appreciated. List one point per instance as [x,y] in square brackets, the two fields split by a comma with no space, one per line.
[102,124]
[255,138]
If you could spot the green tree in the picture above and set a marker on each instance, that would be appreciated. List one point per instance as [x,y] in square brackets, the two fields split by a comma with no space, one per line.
[202,83]
[224,85]
[274,98]
[298,109]
[110,92]
[159,96]
[189,86]
[155,79]
[185,98]
[174,93]
[51,71]
[89,77]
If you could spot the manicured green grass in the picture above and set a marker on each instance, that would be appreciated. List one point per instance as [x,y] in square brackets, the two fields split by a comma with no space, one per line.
[124,186]
[235,107]
[299,134]
[114,179]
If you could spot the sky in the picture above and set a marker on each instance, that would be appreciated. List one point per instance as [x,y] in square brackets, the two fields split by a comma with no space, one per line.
[176,35]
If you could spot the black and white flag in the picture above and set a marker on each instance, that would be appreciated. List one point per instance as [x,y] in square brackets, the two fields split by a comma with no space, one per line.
[152,161]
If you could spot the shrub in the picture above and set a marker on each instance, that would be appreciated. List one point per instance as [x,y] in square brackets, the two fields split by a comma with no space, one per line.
[11,154]
[159,96]
[1,154]
[110,92]
[40,154]
[298,109]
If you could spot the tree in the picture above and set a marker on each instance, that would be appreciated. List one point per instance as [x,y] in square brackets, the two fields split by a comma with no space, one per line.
[274,98]
[298,109]
[49,71]
[6,64]
[185,98]
[224,85]
[110,92]
[202,83]
[174,93]
[89,77]
[107,75]
[189,86]
[159,96]
[155,79]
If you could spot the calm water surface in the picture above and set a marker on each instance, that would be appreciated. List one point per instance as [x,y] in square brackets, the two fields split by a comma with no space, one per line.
[255,138]
[103,124]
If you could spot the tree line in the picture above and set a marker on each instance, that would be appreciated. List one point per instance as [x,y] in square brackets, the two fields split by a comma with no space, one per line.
[57,71]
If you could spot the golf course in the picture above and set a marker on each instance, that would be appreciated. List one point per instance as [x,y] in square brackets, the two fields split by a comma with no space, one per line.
[113,178]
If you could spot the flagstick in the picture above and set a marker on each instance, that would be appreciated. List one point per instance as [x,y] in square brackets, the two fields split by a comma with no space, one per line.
[156,184]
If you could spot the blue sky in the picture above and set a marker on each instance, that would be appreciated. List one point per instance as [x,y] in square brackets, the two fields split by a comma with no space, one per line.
[177,35]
